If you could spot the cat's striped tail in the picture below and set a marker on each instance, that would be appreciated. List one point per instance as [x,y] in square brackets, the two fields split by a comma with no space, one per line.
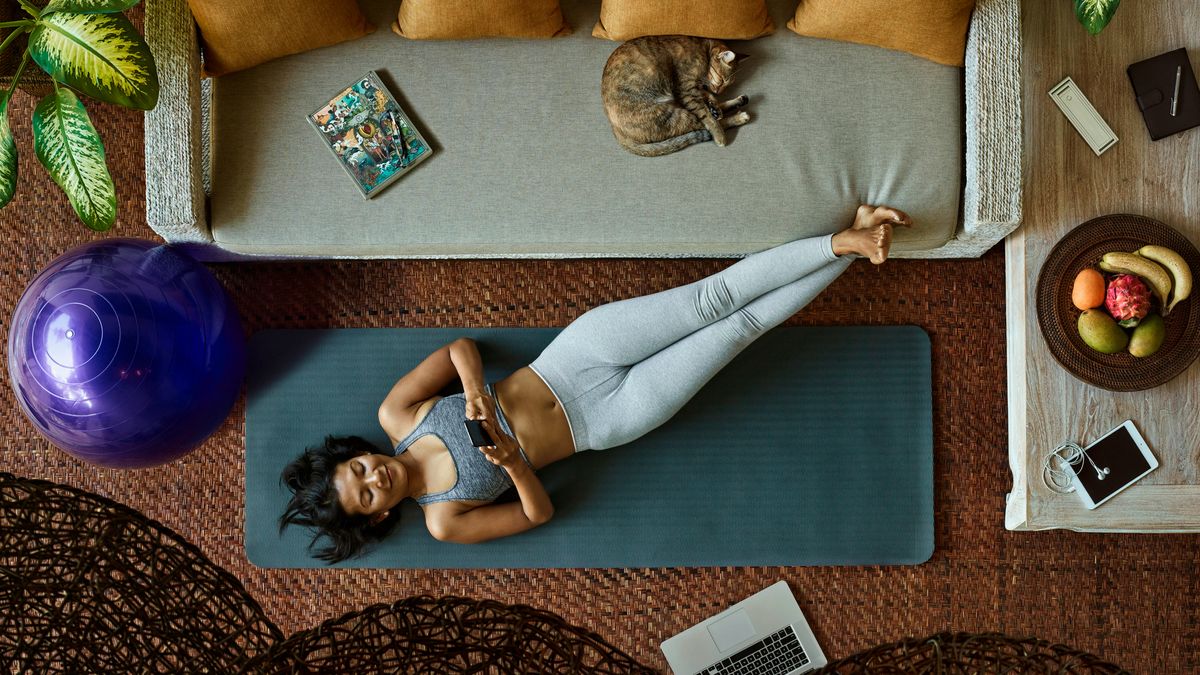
[666,147]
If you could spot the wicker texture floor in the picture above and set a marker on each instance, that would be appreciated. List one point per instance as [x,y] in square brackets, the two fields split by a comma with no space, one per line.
[1129,599]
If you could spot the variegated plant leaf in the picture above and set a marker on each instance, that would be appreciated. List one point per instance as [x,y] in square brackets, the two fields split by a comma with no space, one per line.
[101,55]
[8,157]
[68,146]
[1095,14]
[90,6]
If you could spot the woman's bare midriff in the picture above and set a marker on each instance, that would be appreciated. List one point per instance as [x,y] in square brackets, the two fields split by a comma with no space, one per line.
[536,417]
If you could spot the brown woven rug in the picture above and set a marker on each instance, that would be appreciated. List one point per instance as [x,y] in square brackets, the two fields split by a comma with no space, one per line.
[1129,599]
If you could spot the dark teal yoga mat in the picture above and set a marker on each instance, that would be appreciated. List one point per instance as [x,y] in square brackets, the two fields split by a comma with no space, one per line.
[814,447]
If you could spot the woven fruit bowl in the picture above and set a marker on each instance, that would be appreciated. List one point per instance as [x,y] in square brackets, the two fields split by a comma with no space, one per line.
[1058,316]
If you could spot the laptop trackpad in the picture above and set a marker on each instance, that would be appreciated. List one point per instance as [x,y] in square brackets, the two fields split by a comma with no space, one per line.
[731,630]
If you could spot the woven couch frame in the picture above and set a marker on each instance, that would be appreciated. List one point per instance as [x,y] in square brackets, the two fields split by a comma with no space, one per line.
[177,132]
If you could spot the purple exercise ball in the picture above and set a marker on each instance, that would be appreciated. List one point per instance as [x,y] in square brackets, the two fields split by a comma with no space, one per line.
[126,353]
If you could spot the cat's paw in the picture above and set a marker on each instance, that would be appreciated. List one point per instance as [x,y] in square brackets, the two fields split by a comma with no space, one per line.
[737,120]
[741,101]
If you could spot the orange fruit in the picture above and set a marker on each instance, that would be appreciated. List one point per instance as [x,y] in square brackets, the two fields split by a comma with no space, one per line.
[1088,291]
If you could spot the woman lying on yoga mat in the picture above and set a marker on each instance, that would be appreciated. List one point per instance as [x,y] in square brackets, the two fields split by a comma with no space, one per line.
[614,374]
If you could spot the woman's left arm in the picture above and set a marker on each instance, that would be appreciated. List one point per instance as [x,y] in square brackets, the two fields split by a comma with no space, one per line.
[464,354]
[417,386]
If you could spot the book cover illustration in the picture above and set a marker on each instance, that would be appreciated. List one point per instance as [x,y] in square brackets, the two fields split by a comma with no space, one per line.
[370,134]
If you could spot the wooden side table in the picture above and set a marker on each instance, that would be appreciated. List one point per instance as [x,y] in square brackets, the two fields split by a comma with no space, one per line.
[1067,185]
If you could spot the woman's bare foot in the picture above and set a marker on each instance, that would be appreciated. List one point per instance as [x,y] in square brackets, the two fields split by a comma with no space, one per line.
[871,234]
[869,216]
[873,243]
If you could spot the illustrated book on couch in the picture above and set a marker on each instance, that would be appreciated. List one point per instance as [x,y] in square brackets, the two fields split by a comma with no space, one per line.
[369,134]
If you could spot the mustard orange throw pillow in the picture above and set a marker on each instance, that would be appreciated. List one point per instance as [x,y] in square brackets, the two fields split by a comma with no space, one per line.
[238,34]
[932,29]
[467,19]
[722,19]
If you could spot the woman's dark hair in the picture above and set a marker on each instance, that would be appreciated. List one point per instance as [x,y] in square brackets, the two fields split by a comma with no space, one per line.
[314,501]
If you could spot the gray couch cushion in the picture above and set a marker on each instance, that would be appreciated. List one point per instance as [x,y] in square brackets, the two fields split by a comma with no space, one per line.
[525,163]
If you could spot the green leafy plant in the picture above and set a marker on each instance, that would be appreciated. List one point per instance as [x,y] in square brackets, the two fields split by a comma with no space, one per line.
[86,46]
[1095,14]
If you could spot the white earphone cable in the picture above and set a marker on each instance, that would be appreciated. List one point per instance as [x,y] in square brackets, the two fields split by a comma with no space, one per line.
[1070,458]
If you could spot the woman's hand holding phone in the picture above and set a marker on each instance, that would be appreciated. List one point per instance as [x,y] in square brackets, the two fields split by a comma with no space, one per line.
[504,450]
[505,453]
[480,405]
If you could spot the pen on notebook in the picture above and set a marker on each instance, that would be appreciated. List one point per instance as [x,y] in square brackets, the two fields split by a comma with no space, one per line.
[1175,97]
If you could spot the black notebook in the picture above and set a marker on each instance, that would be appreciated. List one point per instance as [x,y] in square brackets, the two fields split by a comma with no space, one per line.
[1154,86]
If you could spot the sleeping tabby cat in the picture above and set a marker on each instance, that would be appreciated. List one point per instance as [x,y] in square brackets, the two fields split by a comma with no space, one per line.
[660,93]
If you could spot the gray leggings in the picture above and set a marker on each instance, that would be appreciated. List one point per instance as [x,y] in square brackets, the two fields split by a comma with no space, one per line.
[624,368]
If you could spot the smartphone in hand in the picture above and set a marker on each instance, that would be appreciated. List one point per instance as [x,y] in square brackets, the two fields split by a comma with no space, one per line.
[479,437]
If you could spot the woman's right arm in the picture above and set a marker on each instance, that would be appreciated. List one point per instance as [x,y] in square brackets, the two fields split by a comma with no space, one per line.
[450,522]
[446,522]
[459,359]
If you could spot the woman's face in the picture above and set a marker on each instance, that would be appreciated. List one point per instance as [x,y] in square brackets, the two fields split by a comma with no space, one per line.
[370,485]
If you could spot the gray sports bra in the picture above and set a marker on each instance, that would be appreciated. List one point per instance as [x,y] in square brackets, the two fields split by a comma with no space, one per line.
[478,479]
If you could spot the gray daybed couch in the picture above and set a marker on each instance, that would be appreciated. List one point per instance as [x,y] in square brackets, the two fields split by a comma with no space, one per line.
[525,164]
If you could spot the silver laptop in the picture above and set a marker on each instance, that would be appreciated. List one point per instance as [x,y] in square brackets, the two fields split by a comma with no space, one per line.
[765,634]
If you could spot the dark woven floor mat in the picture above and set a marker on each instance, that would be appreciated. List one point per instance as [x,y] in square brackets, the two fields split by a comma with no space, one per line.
[1129,599]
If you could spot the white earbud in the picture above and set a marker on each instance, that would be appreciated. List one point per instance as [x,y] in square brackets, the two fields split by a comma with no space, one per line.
[1100,473]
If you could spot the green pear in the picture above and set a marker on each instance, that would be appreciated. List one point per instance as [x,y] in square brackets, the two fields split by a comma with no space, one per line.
[1148,336]
[1101,333]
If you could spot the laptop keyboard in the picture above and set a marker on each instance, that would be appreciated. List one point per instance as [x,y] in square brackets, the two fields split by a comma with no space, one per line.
[778,653]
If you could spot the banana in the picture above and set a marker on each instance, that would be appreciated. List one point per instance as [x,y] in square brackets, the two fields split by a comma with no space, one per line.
[1177,266]
[1132,263]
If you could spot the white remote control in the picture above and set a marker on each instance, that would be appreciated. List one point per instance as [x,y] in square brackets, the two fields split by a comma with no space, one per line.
[1083,116]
